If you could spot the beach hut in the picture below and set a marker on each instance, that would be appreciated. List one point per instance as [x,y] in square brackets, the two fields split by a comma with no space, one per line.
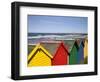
[39,56]
[80,52]
[58,51]
[73,51]
[85,50]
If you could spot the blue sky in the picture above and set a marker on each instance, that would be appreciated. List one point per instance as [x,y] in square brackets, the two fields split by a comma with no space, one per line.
[57,24]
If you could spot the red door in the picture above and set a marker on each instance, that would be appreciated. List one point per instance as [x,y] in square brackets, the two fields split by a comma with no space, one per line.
[61,56]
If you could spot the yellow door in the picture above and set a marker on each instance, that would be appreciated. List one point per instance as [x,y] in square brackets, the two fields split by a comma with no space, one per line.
[86,49]
[40,59]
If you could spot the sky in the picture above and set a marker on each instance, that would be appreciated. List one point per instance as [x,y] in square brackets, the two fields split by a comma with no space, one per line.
[57,24]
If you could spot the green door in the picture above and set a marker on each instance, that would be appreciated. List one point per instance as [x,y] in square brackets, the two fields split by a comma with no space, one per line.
[73,56]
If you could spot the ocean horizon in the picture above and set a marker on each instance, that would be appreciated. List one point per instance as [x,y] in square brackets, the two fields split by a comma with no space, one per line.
[34,34]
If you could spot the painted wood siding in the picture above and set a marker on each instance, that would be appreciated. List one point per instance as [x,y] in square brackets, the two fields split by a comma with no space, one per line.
[80,55]
[39,56]
[73,56]
[61,57]
[40,59]
[85,49]
[86,52]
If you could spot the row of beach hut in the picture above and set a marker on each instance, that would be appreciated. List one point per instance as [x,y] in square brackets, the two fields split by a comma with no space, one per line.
[52,53]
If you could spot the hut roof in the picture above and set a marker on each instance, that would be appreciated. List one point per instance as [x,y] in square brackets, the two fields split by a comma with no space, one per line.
[80,42]
[86,39]
[70,44]
[37,48]
[51,47]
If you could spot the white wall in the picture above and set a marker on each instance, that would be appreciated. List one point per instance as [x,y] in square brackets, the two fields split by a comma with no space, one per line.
[5,40]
